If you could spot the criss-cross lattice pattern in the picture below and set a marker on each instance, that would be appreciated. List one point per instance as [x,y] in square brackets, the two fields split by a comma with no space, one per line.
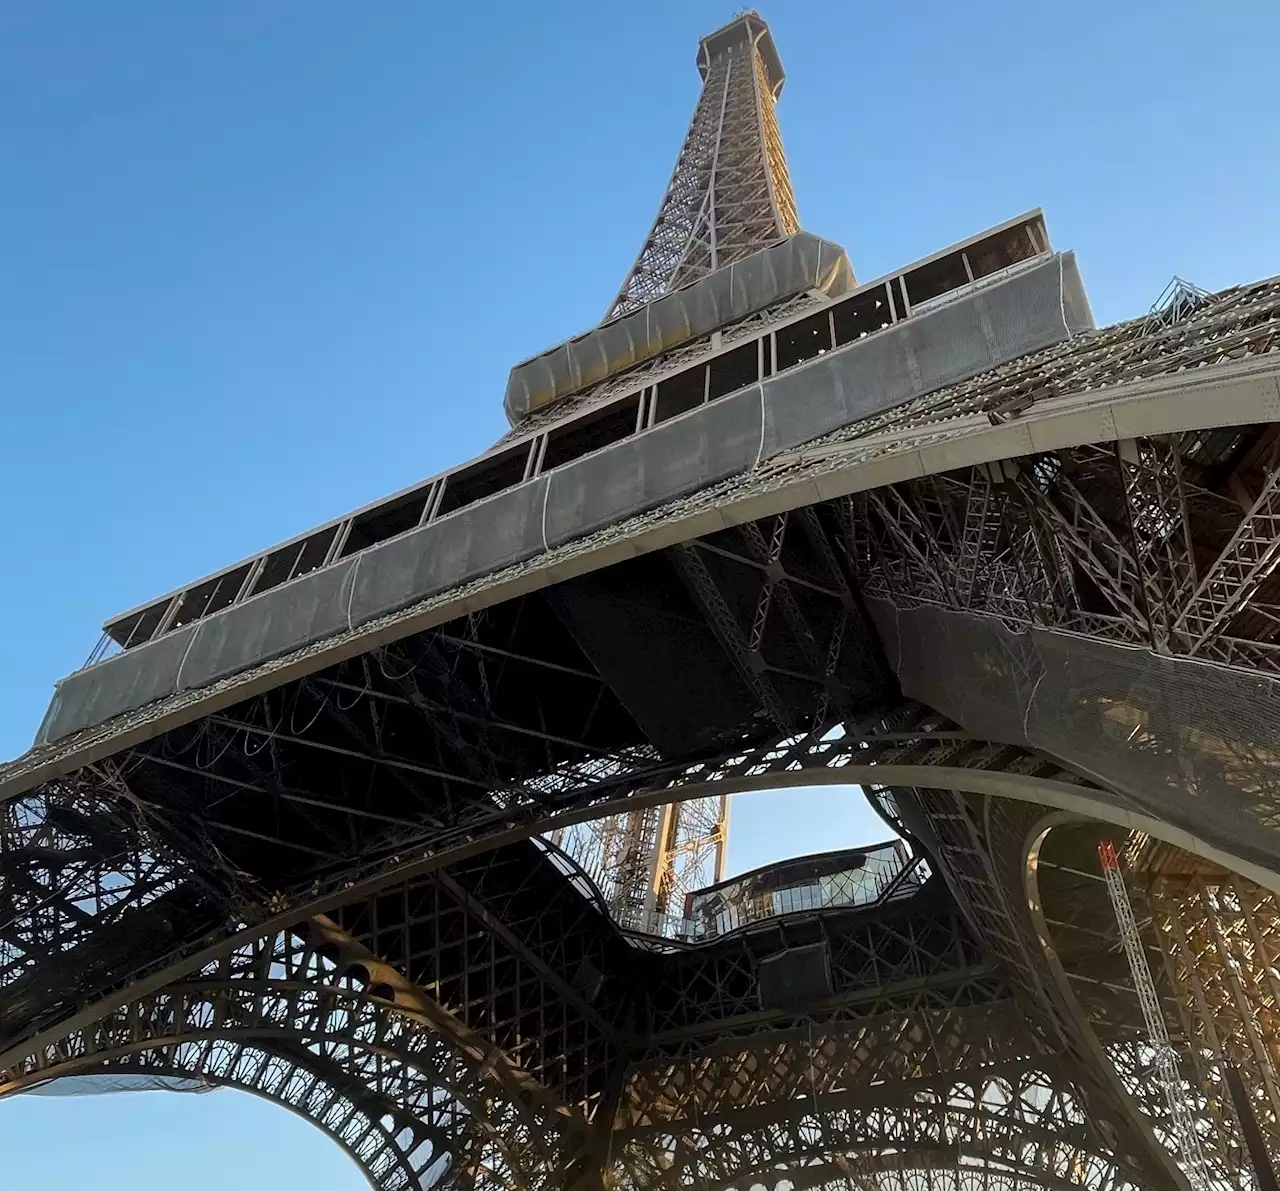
[282,1019]
[69,865]
[931,1075]
[908,990]
[1209,939]
[730,194]
[1138,542]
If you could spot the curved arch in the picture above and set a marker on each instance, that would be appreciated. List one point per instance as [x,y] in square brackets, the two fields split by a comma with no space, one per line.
[1076,799]
[988,842]
[916,757]
[375,1150]
[1066,990]
[418,1093]
[989,773]
[952,1077]
[389,1155]
[893,1137]
[213,1009]
[826,767]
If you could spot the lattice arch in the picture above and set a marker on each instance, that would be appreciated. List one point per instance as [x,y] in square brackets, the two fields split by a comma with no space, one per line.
[282,1021]
[1210,937]
[1021,1128]
[917,1076]
[465,1127]
[386,1155]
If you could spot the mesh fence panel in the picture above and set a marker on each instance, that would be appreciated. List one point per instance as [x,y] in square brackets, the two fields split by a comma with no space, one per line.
[106,1085]
[1193,744]
[800,262]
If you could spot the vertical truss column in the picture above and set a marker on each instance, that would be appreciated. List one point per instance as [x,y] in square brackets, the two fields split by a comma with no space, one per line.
[1151,472]
[691,852]
[1248,559]
[730,193]
[1165,1057]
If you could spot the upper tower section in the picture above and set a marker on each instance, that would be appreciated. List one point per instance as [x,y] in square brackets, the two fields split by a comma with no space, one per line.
[730,194]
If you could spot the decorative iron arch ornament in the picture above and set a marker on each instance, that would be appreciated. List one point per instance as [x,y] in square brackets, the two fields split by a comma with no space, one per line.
[283,1020]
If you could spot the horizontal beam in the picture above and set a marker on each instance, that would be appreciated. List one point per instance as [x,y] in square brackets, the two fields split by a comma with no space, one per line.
[752,1029]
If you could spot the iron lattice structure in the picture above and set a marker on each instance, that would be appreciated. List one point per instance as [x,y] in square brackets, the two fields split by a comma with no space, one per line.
[729,196]
[1024,612]
[730,193]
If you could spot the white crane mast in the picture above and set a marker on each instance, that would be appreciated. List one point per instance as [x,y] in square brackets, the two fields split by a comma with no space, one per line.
[1166,1059]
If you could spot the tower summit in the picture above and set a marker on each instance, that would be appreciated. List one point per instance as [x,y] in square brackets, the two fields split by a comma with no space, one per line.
[730,193]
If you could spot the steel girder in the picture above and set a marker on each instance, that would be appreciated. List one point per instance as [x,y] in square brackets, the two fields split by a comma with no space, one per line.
[983,843]
[1047,563]
[941,1170]
[477,750]
[779,604]
[1235,323]
[308,1019]
[485,729]
[509,949]
[290,1018]
[910,1084]
[905,736]
[87,902]
[1106,542]
[980,843]
[1058,548]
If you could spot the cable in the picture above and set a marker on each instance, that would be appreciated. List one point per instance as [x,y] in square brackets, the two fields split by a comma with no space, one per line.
[293,711]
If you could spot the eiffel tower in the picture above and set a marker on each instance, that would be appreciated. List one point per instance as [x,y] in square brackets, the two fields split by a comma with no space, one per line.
[320,826]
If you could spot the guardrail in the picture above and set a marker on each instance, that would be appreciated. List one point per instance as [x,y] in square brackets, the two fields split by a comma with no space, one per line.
[846,879]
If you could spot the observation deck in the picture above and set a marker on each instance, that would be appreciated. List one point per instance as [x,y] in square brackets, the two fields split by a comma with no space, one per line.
[662,428]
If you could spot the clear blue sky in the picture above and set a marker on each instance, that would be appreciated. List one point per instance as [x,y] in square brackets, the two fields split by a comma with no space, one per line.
[261,263]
